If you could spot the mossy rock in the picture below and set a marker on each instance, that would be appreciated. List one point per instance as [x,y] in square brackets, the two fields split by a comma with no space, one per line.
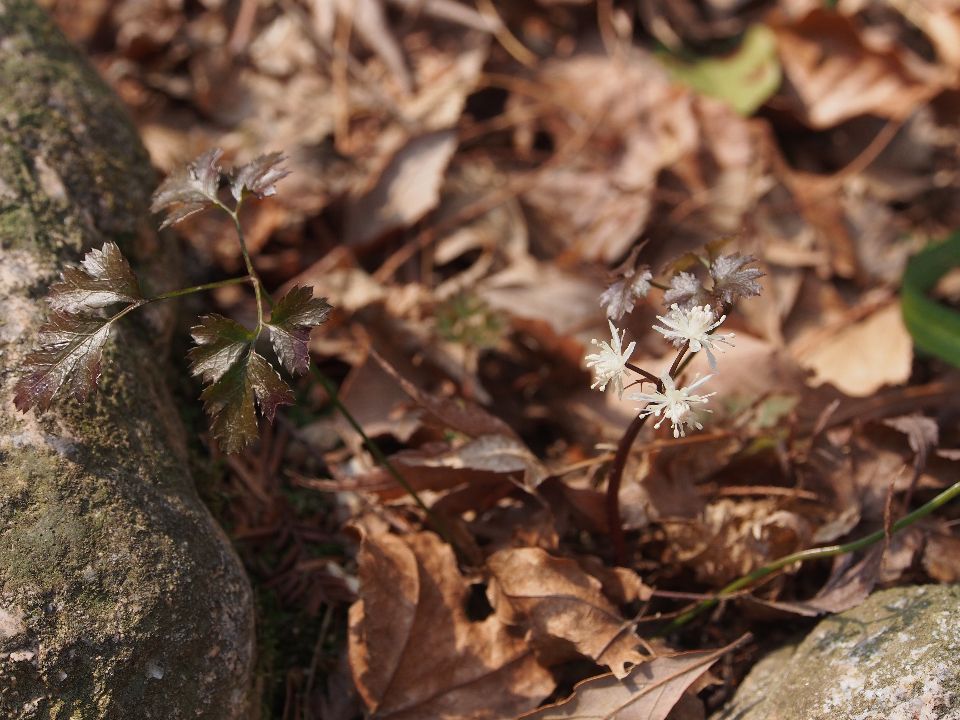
[895,657]
[119,595]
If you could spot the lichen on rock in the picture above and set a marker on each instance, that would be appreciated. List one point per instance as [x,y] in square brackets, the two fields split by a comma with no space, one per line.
[895,657]
[119,595]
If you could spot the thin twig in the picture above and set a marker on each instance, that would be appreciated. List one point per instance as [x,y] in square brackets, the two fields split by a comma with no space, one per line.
[829,551]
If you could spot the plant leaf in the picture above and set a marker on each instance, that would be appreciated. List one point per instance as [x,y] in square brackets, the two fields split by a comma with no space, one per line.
[559,604]
[190,189]
[103,278]
[71,347]
[259,176]
[649,692]
[934,327]
[220,343]
[294,315]
[230,400]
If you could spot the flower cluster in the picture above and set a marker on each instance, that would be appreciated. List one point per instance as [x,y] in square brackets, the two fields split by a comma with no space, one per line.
[690,325]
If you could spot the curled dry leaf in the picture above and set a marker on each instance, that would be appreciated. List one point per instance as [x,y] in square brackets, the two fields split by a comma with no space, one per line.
[413,651]
[649,692]
[555,600]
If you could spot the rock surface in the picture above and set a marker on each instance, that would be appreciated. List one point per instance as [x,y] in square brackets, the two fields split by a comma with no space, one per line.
[119,595]
[895,657]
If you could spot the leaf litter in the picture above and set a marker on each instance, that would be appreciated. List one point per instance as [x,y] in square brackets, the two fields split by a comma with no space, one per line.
[475,189]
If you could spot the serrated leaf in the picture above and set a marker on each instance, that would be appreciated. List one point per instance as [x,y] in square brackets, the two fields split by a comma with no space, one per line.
[259,176]
[70,352]
[291,321]
[934,327]
[190,189]
[685,290]
[103,278]
[731,280]
[230,400]
[220,343]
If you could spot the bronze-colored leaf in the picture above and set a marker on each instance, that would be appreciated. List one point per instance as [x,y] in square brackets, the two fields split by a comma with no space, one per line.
[190,189]
[71,347]
[556,600]
[415,654]
[220,343]
[230,400]
[103,278]
[292,319]
[259,176]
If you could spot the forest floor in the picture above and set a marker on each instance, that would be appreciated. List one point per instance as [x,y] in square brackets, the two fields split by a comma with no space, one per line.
[467,179]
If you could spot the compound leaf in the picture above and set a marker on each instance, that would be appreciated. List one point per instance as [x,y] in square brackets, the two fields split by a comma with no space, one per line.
[259,176]
[70,351]
[103,278]
[291,321]
[220,343]
[230,400]
[190,189]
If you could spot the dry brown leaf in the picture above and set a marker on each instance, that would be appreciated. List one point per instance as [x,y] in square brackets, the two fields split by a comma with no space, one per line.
[834,76]
[501,454]
[649,692]
[941,558]
[850,583]
[555,600]
[863,356]
[413,651]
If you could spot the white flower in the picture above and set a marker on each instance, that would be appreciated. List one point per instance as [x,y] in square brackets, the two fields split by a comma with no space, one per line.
[693,326]
[609,364]
[675,404]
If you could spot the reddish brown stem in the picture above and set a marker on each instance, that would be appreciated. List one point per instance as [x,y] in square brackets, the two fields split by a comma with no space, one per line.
[620,464]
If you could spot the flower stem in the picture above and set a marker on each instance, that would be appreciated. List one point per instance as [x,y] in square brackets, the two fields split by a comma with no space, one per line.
[937,502]
[375,450]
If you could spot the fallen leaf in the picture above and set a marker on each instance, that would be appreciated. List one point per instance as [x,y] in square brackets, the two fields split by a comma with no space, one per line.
[941,558]
[555,600]
[863,356]
[649,692]
[413,651]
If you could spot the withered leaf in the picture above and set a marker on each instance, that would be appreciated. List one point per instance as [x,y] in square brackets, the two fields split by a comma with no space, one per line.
[494,453]
[190,189]
[230,400]
[649,692]
[731,280]
[220,343]
[556,600]
[259,176]
[291,321]
[71,347]
[413,651]
[103,278]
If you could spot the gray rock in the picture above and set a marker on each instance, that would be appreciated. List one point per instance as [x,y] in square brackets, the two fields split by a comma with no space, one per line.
[895,657]
[119,595]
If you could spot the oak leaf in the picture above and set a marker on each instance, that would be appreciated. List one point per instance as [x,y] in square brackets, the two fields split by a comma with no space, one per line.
[413,651]
[649,692]
[555,600]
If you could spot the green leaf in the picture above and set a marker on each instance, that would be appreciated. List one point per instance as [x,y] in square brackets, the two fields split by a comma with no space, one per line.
[220,343]
[745,80]
[103,278]
[291,321]
[935,328]
[70,352]
[230,400]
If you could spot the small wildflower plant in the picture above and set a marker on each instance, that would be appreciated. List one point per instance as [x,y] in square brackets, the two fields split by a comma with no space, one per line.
[696,310]
[89,299]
